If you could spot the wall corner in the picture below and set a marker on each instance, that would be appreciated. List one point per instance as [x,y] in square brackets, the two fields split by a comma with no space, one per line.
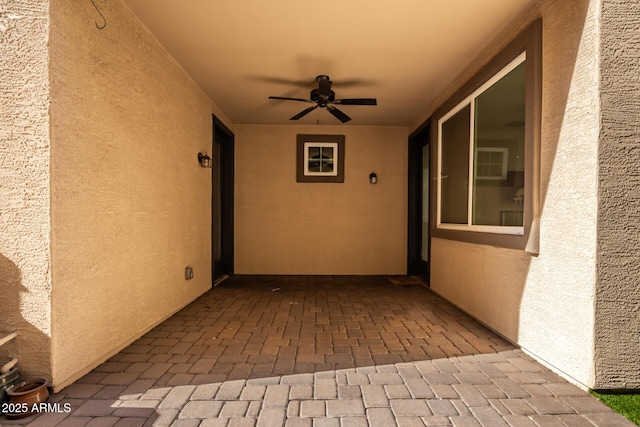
[617,293]
[25,225]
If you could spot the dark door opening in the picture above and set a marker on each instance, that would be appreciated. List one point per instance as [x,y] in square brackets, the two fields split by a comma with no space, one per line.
[419,249]
[222,201]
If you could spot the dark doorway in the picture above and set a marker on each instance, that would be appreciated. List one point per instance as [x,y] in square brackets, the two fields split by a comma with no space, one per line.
[222,201]
[419,249]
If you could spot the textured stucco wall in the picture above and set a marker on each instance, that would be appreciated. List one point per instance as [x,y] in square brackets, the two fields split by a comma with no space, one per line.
[286,227]
[545,302]
[130,204]
[618,290]
[25,282]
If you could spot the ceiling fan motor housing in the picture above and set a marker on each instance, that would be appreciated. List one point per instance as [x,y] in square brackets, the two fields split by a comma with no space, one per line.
[320,99]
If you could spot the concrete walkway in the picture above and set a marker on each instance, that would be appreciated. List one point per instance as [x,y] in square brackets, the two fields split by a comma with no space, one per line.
[322,351]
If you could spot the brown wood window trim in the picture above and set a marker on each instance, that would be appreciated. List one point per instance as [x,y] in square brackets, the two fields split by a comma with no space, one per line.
[335,160]
[529,41]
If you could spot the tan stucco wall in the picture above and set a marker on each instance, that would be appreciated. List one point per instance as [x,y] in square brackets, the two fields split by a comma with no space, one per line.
[286,227]
[130,204]
[545,302]
[25,282]
[618,291]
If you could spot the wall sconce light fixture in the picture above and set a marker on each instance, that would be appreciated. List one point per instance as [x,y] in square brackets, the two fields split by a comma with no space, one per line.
[373,178]
[204,160]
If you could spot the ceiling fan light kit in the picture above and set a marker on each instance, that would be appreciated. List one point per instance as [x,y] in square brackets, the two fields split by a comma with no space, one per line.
[324,97]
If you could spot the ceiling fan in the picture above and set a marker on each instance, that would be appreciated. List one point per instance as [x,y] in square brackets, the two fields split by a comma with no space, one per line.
[324,97]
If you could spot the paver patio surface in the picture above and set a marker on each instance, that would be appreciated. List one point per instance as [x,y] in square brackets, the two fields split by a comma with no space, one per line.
[322,351]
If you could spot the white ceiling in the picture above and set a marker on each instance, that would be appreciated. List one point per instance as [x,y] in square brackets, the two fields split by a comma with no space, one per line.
[403,52]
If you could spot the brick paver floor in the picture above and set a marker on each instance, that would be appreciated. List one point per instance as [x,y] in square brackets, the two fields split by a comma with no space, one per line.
[322,351]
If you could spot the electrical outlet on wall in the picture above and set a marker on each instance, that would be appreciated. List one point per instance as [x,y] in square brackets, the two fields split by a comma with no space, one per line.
[188,273]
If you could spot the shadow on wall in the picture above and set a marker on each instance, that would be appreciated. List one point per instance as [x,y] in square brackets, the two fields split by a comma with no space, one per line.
[515,292]
[566,132]
[561,46]
[563,80]
[32,347]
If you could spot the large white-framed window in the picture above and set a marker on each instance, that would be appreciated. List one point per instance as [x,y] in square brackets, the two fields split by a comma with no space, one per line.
[486,151]
[481,156]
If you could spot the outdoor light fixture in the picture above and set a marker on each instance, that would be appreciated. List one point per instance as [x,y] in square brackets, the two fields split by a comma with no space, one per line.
[204,160]
[373,178]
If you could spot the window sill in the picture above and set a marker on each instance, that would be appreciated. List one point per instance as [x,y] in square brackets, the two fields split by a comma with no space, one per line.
[507,230]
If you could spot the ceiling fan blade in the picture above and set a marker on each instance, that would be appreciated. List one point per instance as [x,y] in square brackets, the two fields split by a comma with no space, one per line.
[308,83]
[354,82]
[303,113]
[338,114]
[284,98]
[356,101]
